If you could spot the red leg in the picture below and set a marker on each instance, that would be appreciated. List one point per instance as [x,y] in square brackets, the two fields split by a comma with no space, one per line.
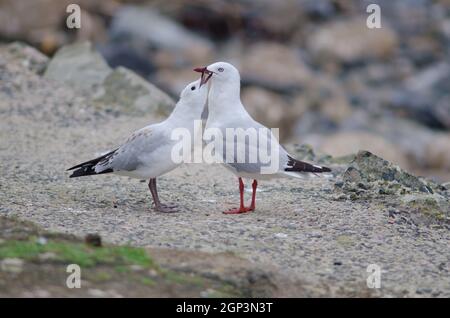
[242,208]
[253,204]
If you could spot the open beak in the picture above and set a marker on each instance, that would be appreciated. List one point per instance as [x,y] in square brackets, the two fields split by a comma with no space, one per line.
[206,74]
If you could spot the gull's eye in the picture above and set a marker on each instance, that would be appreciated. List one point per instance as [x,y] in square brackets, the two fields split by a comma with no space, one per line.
[220,69]
[193,88]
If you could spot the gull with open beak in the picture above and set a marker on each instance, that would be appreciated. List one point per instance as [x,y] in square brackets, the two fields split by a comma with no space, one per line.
[205,74]
[226,111]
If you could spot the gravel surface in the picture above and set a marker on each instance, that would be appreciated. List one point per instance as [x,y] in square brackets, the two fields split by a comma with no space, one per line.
[298,227]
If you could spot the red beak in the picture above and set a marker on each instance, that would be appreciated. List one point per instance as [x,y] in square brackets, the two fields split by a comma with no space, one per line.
[200,69]
[206,74]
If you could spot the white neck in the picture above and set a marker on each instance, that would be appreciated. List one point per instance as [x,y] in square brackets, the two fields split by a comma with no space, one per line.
[184,114]
[224,100]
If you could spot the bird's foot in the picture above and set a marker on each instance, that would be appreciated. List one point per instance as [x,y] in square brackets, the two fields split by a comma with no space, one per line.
[166,208]
[239,210]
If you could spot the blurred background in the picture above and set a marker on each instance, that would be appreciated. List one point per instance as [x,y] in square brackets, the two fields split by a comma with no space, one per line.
[309,67]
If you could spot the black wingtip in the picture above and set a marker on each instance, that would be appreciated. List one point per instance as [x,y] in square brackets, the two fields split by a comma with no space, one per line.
[88,168]
[295,165]
[326,169]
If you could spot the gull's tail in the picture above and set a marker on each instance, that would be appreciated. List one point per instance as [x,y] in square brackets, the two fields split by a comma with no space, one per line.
[294,165]
[88,168]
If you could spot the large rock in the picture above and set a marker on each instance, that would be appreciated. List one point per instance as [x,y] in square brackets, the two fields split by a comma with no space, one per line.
[369,176]
[435,206]
[133,93]
[81,67]
[78,65]
[31,58]
[352,41]
[369,167]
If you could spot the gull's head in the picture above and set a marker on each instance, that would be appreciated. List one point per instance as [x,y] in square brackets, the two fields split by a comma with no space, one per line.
[194,93]
[219,72]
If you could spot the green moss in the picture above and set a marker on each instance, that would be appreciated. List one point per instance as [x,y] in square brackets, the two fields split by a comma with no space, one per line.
[76,253]
[429,205]
[122,269]
[148,281]
[102,277]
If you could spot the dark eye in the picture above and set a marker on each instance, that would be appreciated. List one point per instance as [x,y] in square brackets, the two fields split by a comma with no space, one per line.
[220,69]
[193,88]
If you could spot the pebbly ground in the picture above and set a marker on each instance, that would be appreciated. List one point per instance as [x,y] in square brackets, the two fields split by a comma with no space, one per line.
[298,228]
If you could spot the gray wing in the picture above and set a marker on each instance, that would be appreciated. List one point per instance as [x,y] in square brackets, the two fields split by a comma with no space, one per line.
[128,156]
[254,152]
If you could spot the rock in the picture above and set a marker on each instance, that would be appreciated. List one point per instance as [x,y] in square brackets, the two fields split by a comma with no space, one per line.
[151,29]
[446,186]
[78,65]
[352,41]
[119,90]
[431,205]
[274,65]
[12,265]
[132,94]
[371,177]
[31,58]
[352,175]
[373,168]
